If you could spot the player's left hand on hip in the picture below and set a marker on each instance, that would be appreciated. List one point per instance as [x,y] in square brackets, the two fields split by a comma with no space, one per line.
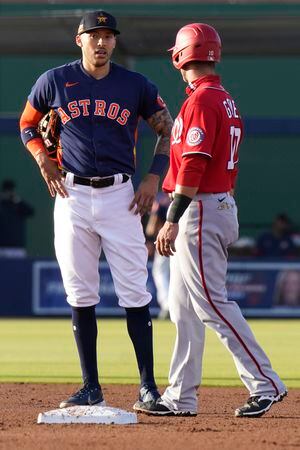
[145,195]
[165,242]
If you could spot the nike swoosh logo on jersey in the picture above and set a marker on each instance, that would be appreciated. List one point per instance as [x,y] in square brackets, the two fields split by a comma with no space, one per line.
[221,199]
[70,84]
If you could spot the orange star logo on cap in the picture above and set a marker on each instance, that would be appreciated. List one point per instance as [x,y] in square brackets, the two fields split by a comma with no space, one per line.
[102,19]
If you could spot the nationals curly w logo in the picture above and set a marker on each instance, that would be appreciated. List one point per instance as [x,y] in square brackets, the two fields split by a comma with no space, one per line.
[195,136]
[177,130]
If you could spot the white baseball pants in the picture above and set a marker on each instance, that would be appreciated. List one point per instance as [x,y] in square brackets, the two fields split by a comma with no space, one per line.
[91,220]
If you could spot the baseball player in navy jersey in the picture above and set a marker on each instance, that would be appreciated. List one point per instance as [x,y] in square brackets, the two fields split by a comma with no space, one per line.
[201,224]
[99,104]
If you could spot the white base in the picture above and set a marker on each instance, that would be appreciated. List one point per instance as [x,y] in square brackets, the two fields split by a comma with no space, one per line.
[88,414]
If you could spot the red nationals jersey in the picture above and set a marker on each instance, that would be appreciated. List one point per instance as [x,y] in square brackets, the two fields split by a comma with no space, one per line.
[210,125]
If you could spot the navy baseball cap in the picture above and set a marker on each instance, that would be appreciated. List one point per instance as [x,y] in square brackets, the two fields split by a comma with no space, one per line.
[97,19]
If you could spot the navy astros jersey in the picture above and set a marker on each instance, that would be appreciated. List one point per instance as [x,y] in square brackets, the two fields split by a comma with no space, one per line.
[99,118]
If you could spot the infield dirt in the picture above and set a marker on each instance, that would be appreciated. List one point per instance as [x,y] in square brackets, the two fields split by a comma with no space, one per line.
[215,427]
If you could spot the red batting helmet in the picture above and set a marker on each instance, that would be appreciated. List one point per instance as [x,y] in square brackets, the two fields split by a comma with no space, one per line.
[196,42]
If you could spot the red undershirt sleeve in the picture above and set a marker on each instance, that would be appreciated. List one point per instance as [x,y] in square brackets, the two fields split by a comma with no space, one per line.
[30,119]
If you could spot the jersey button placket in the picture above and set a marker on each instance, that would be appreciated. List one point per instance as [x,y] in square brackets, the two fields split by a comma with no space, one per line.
[95,129]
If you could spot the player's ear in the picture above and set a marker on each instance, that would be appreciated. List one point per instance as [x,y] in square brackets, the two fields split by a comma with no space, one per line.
[78,40]
[115,39]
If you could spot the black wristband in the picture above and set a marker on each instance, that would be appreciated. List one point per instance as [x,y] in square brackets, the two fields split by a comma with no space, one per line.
[177,207]
[29,133]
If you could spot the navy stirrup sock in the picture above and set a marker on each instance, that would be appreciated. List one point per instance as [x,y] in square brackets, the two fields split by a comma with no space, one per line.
[85,333]
[139,326]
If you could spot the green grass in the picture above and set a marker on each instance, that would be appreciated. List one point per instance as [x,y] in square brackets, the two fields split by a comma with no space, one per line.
[43,350]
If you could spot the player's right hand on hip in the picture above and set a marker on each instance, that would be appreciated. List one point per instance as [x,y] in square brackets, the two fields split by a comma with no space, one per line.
[51,175]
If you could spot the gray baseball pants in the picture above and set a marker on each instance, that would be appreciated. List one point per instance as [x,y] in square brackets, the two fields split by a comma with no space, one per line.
[198,298]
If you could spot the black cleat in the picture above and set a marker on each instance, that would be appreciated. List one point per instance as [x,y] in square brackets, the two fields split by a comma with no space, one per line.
[257,406]
[148,394]
[158,408]
[88,395]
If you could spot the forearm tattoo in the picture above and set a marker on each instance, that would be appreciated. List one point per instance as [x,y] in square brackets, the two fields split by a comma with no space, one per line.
[161,122]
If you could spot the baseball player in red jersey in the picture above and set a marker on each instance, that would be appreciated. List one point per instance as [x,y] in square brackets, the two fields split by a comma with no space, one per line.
[201,224]
[99,105]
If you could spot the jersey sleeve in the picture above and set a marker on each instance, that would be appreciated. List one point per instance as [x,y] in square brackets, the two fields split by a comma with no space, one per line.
[151,101]
[191,170]
[40,96]
[200,123]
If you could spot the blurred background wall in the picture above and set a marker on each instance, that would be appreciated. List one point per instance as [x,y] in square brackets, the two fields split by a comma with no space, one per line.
[260,67]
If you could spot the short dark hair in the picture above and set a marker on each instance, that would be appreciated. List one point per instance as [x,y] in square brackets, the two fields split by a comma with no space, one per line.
[198,64]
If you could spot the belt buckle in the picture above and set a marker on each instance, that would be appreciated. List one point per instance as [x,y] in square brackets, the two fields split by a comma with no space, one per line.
[94,181]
